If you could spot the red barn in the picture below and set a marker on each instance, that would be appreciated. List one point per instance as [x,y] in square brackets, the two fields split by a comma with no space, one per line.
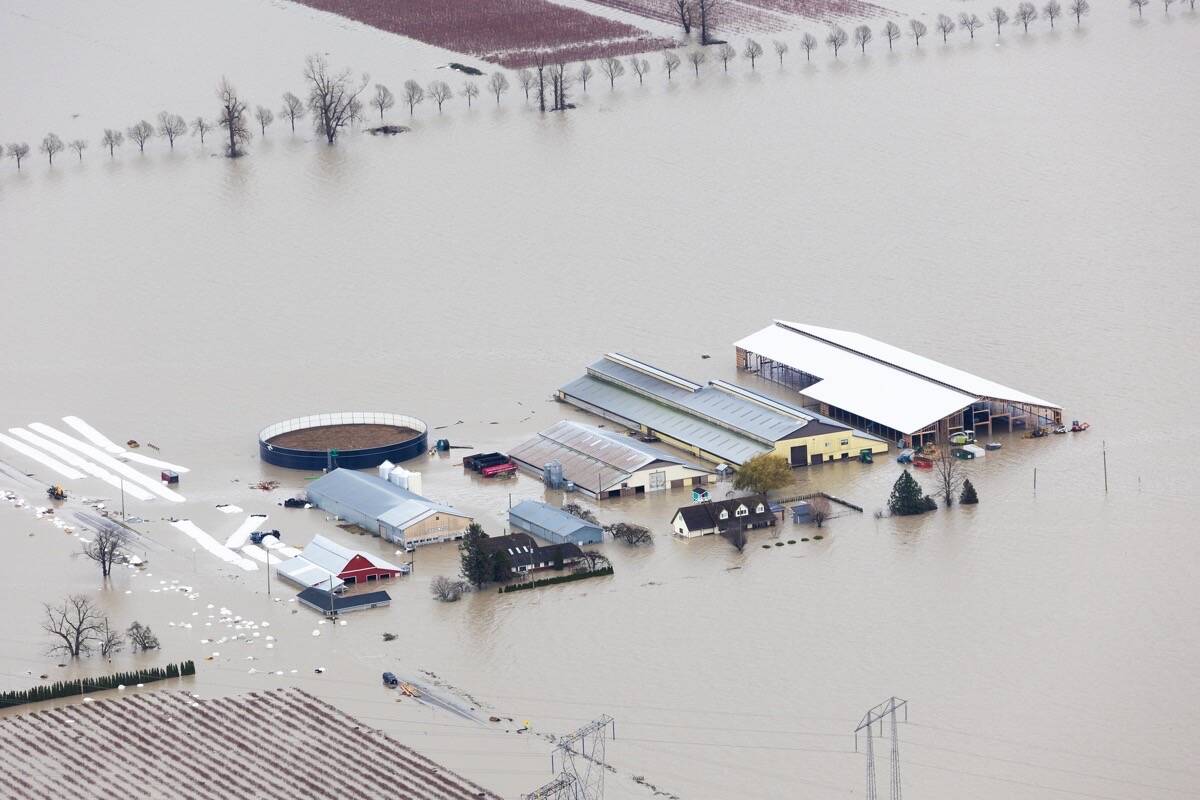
[324,562]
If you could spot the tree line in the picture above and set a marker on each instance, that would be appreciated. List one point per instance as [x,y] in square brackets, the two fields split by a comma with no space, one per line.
[337,98]
[74,688]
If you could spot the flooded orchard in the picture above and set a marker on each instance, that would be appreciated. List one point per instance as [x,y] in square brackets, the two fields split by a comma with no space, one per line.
[1021,209]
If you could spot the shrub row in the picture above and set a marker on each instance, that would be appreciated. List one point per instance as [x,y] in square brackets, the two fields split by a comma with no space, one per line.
[574,576]
[82,686]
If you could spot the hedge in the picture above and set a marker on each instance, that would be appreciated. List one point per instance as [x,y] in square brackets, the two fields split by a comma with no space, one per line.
[76,687]
[575,576]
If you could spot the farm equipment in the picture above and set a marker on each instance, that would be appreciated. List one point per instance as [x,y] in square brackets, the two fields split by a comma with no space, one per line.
[258,536]
[56,492]
[906,456]
[1079,427]
[865,456]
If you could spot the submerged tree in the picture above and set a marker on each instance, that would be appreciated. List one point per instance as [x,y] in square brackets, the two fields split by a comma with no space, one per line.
[110,642]
[836,39]
[809,43]
[474,561]
[526,79]
[972,22]
[440,92]
[141,638]
[863,36]
[17,151]
[52,146]
[265,117]
[907,498]
[140,133]
[999,16]
[105,547]
[79,145]
[1080,8]
[414,94]
[498,85]
[201,126]
[968,496]
[891,32]
[232,118]
[576,510]
[819,510]
[293,109]
[333,97]
[1026,13]
[763,473]
[948,475]
[945,26]
[726,52]
[1052,10]
[76,626]
[640,67]
[753,52]
[383,99]
[708,12]
[1139,5]
[736,534]
[670,62]
[446,589]
[171,127]
[683,13]
[697,57]
[629,533]
[112,139]
[918,29]
[470,91]
[612,69]
[781,49]
[584,74]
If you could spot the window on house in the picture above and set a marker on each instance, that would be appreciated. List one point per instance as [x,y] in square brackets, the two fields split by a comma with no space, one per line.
[742,511]
[845,442]
[724,514]
[760,508]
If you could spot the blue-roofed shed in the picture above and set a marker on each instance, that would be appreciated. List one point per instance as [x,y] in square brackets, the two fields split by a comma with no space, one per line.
[552,524]
[386,509]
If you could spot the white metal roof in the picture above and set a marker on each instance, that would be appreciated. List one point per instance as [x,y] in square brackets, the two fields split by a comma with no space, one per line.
[858,384]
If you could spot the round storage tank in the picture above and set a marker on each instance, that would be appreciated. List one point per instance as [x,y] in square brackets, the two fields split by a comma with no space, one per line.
[362,439]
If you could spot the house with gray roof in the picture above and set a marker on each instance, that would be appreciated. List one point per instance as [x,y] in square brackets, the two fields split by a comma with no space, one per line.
[385,509]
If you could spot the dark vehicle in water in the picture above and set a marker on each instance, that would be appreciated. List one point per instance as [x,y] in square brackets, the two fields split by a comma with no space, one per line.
[390,680]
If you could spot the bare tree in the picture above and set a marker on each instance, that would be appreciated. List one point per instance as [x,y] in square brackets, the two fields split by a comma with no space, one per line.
[1167,5]
[584,74]
[946,26]
[76,626]
[498,85]
[918,29]
[383,99]
[753,51]
[78,145]
[999,16]
[171,126]
[1080,8]
[333,97]
[526,79]
[560,85]
[819,510]
[1026,13]
[862,36]
[947,477]
[629,533]
[470,91]
[265,117]
[709,12]
[110,642]
[446,589]
[576,510]
[683,11]
[697,57]
[670,62]
[232,118]
[18,151]
[440,92]
[414,94]
[596,560]
[200,126]
[725,52]
[736,534]
[540,59]
[139,134]
[972,22]
[112,139]
[105,547]
[1139,5]
[141,638]
[781,48]
[1052,10]
[612,69]
[293,109]
[52,146]
[640,67]
[891,32]
[809,43]
[836,39]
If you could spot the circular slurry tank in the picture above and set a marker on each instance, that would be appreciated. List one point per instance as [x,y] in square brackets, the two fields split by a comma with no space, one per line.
[362,439]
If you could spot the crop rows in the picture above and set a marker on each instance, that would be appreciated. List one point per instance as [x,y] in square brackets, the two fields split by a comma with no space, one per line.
[825,10]
[735,17]
[506,32]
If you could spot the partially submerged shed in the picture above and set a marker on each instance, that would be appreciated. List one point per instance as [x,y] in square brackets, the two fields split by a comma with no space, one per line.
[386,509]
[553,524]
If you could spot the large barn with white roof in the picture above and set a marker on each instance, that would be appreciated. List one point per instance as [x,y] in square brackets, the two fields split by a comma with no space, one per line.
[883,389]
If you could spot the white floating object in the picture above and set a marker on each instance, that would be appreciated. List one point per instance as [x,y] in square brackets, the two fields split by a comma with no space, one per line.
[94,436]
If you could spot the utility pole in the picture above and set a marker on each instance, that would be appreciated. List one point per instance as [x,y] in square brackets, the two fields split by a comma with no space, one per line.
[1035,481]
[122,498]
[332,612]
[578,764]
[888,707]
[1104,455]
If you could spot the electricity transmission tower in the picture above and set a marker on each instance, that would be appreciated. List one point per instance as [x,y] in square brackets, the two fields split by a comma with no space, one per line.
[578,761]
[886,709]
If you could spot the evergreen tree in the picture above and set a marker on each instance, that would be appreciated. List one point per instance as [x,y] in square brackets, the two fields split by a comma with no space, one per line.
[907,498]
[968,496]
[501,566]
[476,564]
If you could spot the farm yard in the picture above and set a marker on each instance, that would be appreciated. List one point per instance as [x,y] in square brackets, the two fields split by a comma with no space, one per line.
[504,32]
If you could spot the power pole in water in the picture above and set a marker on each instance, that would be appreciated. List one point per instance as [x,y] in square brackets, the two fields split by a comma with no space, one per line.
[579,763]
[875,715]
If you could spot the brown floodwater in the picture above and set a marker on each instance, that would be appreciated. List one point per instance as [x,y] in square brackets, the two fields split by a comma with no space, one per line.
[1022,210]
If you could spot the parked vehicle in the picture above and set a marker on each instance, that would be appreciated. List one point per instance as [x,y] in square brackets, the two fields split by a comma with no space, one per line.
[1079,427]
[390,680]
[963,437]
[993,445]
[258,536]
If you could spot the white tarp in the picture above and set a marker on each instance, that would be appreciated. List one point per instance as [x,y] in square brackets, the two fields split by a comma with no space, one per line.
[242,535]
[41,458]
[100,440]
[105,460]
[193,531]
[81,463]
[260,555]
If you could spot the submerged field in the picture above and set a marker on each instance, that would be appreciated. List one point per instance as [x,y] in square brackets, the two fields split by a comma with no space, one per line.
[464,271]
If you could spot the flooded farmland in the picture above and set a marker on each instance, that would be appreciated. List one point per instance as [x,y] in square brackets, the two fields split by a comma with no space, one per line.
[1021,209]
